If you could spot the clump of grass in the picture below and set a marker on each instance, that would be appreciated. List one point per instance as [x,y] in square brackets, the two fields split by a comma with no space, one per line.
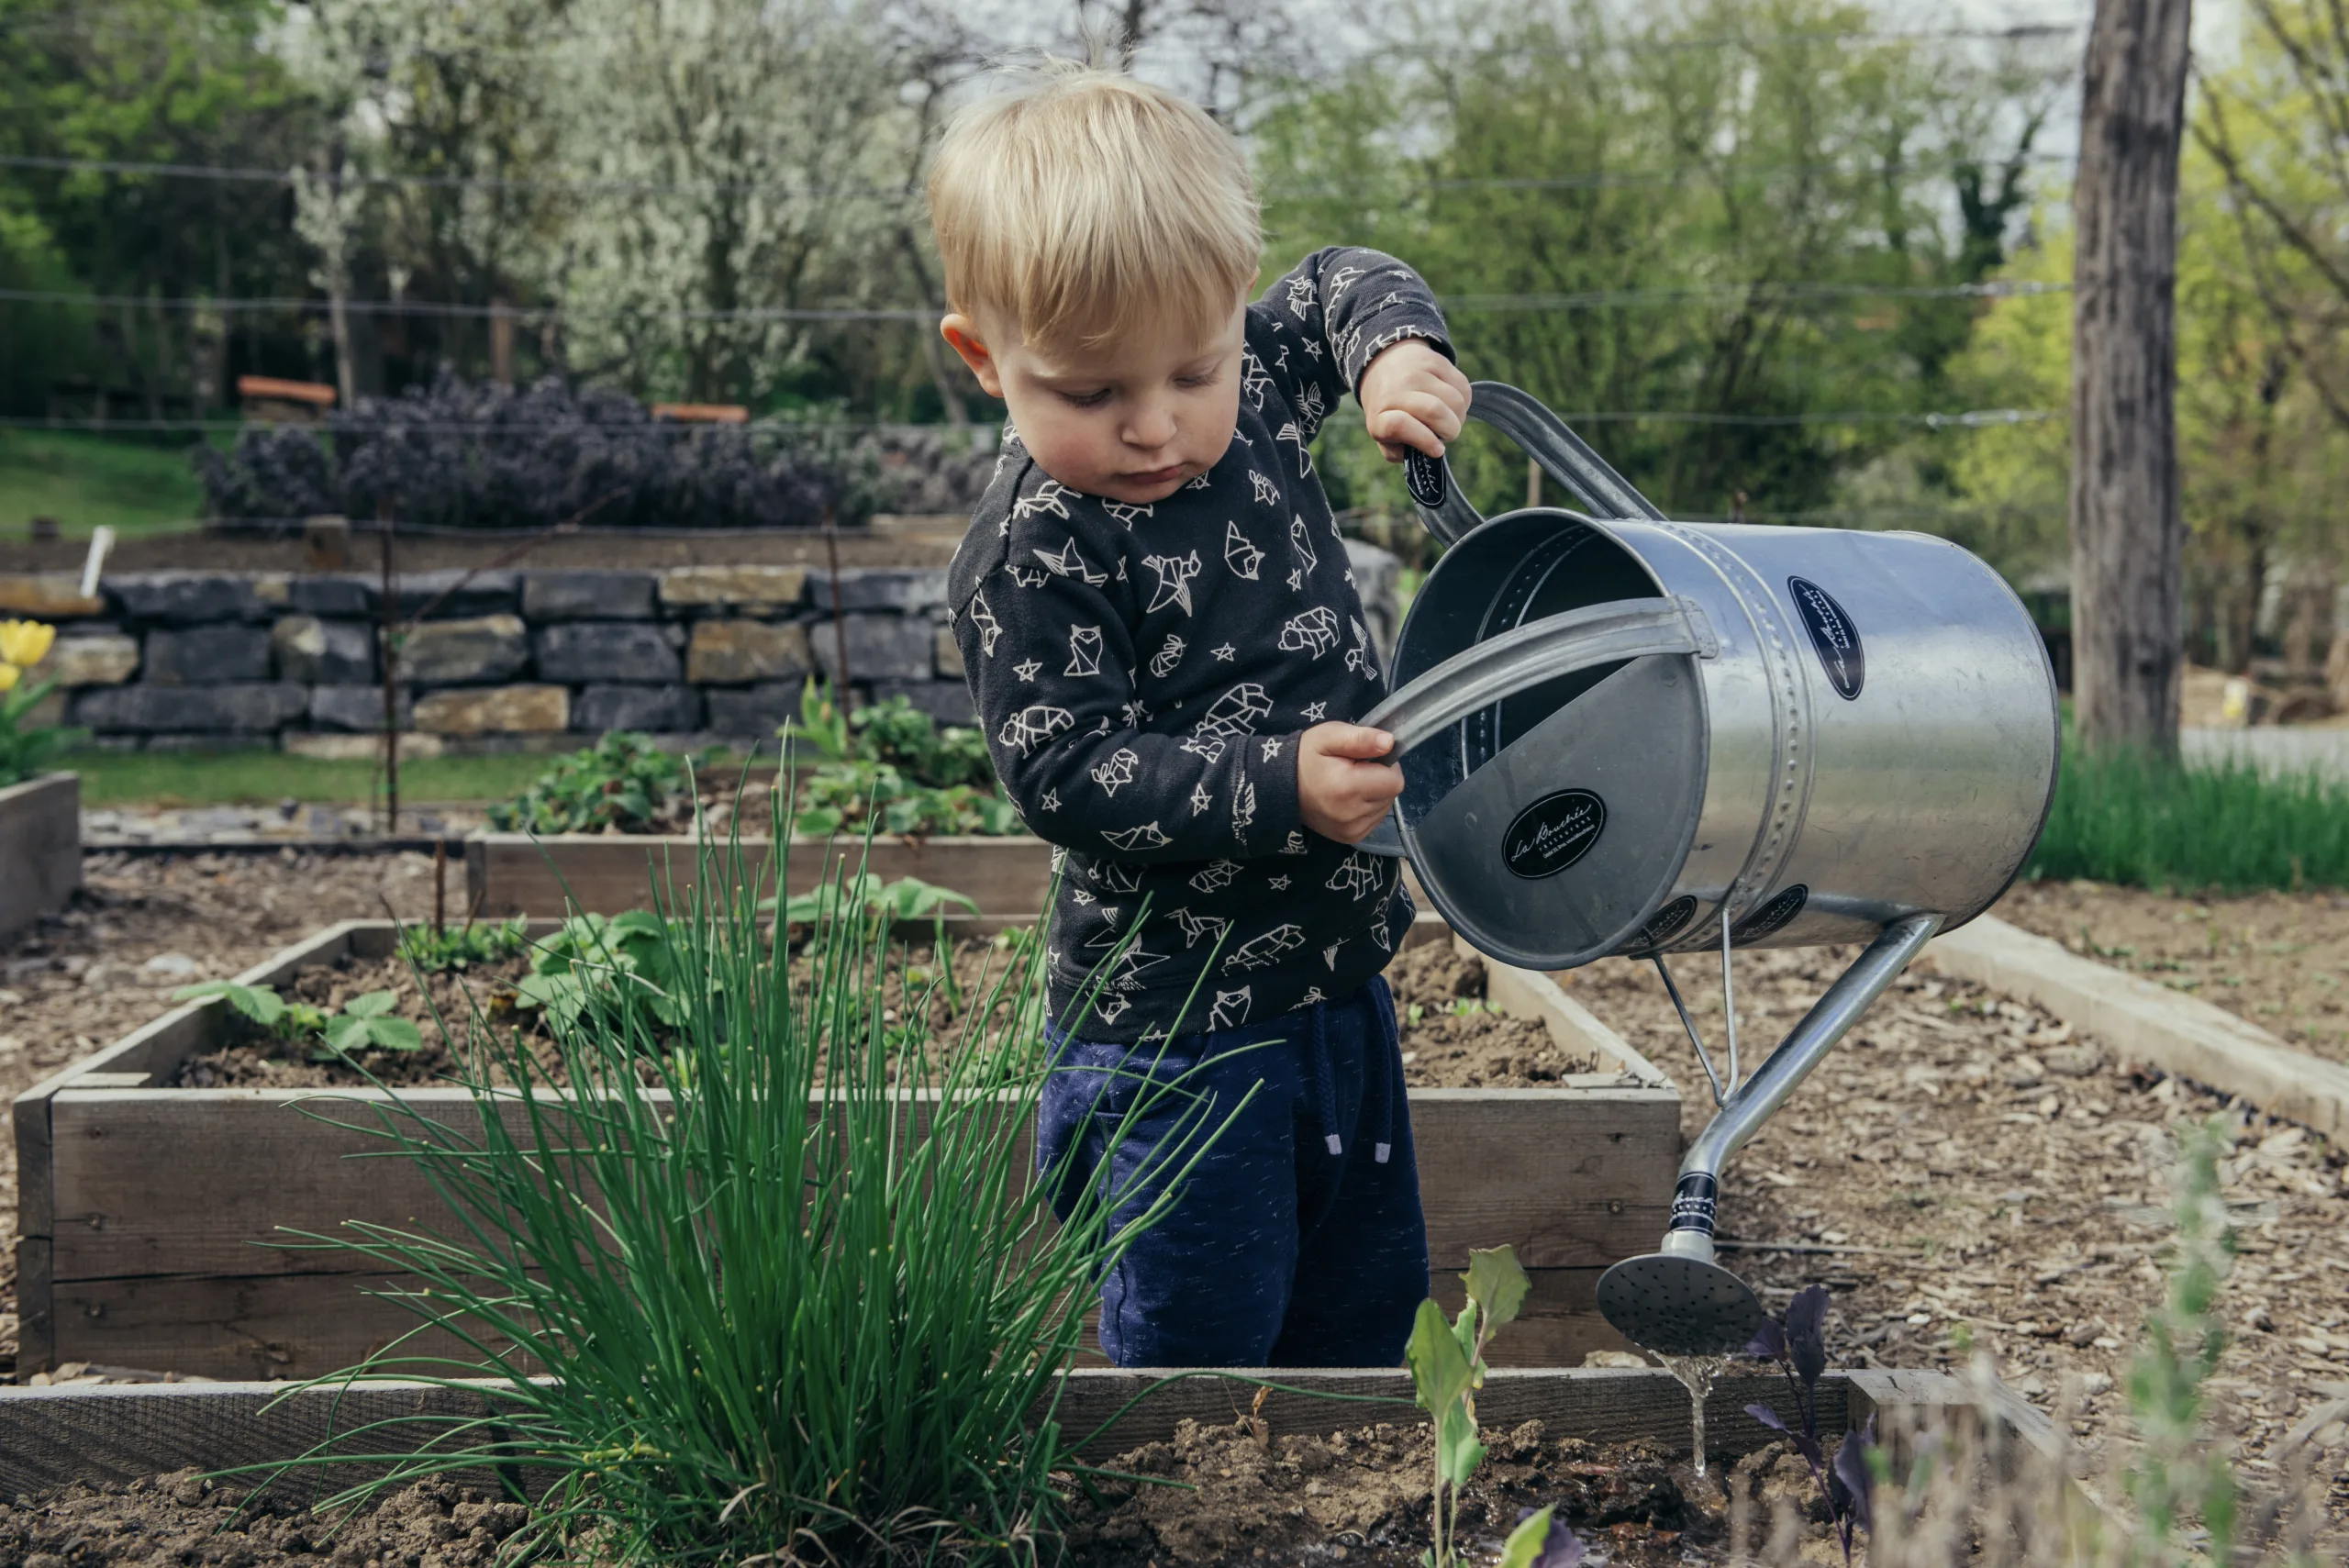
[2122,816]
[792,1313]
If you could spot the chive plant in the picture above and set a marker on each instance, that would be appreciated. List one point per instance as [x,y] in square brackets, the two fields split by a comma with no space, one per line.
[749,1295]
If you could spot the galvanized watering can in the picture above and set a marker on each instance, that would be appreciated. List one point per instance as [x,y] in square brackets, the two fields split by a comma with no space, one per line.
[1624,734]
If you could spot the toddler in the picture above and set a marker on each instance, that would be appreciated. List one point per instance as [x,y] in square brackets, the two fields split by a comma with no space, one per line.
[1164,644]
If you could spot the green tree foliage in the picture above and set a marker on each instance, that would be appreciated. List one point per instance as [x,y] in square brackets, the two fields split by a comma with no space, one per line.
[2258,452]
[142,81]
[1554,168]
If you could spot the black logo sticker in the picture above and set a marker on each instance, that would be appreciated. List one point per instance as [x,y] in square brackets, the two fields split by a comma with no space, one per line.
[1772,917]
[1423,477]
[1665,924]
[1553,833]
[1832,633]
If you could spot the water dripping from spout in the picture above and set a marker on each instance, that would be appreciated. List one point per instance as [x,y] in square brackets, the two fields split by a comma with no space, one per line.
[1696,1373]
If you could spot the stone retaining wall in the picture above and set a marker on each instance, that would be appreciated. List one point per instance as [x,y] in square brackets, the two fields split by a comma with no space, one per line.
[504,660]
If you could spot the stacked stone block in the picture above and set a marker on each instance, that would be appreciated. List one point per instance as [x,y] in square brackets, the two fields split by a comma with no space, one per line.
[500,660]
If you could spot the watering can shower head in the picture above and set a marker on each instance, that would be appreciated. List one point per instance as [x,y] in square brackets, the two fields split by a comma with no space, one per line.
[1620,735]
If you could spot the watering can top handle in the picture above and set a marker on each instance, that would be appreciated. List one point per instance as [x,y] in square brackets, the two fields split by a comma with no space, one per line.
[1562,455]
[1543,649]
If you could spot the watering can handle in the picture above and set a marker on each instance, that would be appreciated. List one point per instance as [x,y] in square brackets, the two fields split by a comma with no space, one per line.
[1562,455]
[1540,651]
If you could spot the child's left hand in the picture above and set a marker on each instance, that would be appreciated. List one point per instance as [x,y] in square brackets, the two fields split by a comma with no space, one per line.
[1412,399]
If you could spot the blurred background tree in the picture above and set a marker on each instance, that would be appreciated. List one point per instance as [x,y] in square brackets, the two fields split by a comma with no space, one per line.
[1783,259]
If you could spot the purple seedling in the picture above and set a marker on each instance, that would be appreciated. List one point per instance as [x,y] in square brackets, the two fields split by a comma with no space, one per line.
[1798,1344]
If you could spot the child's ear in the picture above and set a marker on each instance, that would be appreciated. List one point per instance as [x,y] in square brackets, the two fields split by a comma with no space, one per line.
[963,332]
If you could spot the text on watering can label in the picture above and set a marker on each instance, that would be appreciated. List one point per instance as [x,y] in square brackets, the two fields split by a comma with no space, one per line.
[1834,635]
[1553,833]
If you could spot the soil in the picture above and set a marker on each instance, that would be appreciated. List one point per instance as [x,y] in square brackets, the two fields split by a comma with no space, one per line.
[182,1518]
[1964,1174]
[2277,960]
[1363,1496]
[1442,1047]
[1253,1497]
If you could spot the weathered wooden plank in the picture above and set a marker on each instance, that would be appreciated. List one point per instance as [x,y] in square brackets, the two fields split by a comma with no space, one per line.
[50,1437]
[36,1305]
[40,847]
[259,1327]
[196,1182]
[1568,1177]
[511,873]
[303,1326]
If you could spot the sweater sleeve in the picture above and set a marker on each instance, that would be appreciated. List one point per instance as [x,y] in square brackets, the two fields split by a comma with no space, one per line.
[1050,662]
[1316,330]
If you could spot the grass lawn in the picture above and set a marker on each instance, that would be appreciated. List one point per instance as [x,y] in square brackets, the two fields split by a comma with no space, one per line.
[84,479]
[265,777]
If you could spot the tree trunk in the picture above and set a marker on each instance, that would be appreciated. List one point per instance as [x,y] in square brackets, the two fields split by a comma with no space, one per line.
[2127,536]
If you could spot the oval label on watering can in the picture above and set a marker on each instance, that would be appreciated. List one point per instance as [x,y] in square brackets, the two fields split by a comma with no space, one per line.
[1772,917]
[1834,635]
[1553,833]
[1665,923]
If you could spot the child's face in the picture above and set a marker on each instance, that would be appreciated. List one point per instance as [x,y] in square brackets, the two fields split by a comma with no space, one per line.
[1134,421]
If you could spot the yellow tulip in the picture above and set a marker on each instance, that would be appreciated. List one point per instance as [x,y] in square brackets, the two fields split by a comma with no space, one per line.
[8,674]
[23,642]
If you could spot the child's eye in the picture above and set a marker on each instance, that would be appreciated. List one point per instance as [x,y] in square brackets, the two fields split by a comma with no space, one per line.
[1206,378]
[1087,399]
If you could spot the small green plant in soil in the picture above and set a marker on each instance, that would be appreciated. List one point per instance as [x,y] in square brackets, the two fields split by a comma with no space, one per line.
[890,765]
[462,947]
[1798,1343]
[763,1336]
[622,783]
[1447,1361]
[2121,816]
[2178,1475]
[364,1024]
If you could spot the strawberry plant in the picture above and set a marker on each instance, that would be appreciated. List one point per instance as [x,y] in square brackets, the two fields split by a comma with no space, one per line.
[1798,1344]
[364,1024]
[1447,1361]
[623,784]
[890,765]
[462,947]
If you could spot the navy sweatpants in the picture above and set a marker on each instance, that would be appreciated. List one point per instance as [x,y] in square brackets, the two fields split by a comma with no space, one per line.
[1295,1239]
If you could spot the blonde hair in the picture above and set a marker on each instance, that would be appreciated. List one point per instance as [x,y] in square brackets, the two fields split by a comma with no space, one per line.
[1083,203]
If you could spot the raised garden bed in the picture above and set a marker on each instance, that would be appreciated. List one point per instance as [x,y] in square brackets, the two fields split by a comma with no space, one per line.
[40,848]
[513,873]
[1610,1451]
[148,1214]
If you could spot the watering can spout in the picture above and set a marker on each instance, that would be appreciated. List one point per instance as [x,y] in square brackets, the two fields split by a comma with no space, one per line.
[1677,1300]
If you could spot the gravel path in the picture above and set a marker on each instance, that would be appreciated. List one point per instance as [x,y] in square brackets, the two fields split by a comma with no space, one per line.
[2280,959]
[1966,1172]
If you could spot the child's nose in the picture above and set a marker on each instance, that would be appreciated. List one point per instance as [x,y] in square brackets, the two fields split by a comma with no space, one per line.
[1150,428]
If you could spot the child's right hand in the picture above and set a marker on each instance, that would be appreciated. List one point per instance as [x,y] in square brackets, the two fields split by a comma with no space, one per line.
[1342,789]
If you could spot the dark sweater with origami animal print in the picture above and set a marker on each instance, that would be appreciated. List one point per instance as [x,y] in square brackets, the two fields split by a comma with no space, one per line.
[1143,674]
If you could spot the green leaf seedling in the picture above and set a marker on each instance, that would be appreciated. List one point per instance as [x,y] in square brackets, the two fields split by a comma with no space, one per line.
[365,1023]
[259,1002]
[1447,1362]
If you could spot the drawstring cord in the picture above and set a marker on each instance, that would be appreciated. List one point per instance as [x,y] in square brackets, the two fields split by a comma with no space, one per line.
[1378,1089]
[1381,1084]
[1325,1096]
